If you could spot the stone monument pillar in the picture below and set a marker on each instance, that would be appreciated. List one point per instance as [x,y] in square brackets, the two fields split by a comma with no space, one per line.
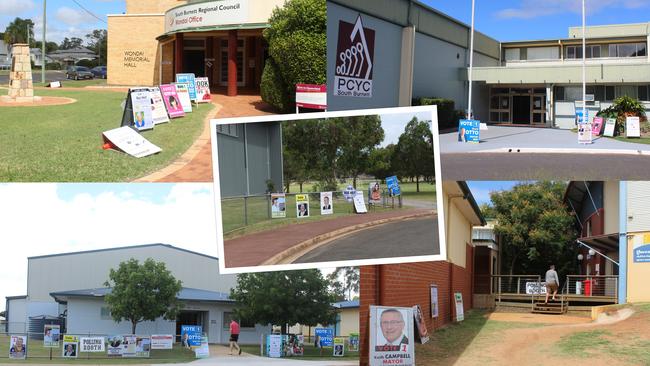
[21,88]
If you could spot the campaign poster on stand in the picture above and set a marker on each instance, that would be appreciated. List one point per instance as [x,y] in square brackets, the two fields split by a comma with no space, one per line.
[51,335]
[326,203]
[610,126]
[191,335]
[349,192]
[203,350]
[420,324]
[142,346]
[274,348]
[392,183]
[17,347]
[128,346]
[353,342]
[584,133]
[182,89]
[278,206]
[325,337]
[158,110]
[469,131]
[460,311]
[302,205]
[597,125]
[391,336]
[434,301]
[162,341]
[92,344]
[141,105]
[374,193]
[203,90]
[339,347]
[172,100]
[190,80]
[70,349]
[127,140]
[359,203]
[632,127]
[295,345]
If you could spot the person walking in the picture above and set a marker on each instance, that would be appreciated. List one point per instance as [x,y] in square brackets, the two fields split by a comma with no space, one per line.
[234,336]
[552,283]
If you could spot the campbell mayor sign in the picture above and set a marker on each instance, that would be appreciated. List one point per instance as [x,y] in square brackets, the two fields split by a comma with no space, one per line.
[206,14]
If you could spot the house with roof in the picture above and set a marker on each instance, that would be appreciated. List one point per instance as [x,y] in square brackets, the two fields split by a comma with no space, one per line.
[68,289]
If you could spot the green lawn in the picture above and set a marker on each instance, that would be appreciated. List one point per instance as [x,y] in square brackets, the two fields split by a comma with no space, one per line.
[642,140]
[233,214]
[311,353]
[36,353]
[74,83]
[64,144]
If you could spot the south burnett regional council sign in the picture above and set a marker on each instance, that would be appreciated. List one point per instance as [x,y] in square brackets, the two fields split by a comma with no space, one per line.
[206,14]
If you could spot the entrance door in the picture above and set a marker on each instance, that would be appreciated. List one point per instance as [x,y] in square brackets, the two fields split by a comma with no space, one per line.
[521,109]
[194,62]
[187,318]
[223,56]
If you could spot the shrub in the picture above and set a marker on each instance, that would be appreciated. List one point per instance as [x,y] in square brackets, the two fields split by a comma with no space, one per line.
[622,108]
[447,114]
[87,63]
[298,48]
[273,88]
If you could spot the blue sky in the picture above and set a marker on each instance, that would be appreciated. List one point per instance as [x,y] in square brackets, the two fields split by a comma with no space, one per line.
[481,190]
[509,20]
[505,20]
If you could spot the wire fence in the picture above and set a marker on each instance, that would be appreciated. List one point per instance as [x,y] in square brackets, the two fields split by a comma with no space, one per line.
[241,211]
[312,347]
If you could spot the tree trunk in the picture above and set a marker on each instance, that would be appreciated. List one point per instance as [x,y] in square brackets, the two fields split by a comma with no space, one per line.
[300,187]
[417,183]
[134,323]
[284,328]
[354,182]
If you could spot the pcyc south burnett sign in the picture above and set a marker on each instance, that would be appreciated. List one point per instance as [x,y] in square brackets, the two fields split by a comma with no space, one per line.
[206,14]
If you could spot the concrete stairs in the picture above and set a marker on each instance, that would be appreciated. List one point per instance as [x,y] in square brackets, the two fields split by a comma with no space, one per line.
[553,307]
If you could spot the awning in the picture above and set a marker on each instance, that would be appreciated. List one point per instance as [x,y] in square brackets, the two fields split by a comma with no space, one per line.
[606,243]
[214,28]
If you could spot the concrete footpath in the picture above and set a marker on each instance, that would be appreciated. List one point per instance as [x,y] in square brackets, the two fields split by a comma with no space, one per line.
[258,248]
[503,139]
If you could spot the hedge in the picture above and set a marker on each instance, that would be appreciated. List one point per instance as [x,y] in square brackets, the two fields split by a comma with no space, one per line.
[447,115]
[273,88]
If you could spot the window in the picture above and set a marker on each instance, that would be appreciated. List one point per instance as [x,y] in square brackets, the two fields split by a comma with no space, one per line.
[230,130]
[229,316]
[105,313]
[575,52]
[610,92]
[627,50]
[643,92]
[512,54]
[559,93]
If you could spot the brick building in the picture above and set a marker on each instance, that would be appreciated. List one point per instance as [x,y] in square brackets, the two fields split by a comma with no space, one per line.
[409,284]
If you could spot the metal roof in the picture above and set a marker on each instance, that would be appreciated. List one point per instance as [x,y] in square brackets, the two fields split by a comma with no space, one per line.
[346,304]
[122,248]
[187,294]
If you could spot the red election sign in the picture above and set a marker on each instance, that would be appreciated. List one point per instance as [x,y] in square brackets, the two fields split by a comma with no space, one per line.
[311,96]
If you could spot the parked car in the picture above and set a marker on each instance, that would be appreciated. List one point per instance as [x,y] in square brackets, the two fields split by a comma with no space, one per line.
[78,72]
[99,71]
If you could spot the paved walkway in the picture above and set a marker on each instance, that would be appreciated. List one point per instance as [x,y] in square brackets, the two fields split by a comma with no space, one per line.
[255,249]
[503,138]
[198,167]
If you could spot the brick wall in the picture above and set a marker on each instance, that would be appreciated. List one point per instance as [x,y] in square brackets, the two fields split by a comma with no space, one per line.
[408,284]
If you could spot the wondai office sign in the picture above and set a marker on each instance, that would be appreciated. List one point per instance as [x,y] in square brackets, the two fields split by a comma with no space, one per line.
[206,14]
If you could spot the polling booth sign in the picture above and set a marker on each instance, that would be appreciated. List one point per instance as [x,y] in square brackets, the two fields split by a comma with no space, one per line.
[469,131]
[391,336]
[162,341]
[130,142]
[92,344]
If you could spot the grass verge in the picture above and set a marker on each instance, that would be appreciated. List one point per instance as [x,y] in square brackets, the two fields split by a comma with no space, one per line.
[311,353]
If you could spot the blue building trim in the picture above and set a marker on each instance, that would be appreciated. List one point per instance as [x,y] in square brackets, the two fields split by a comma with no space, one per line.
[622,243]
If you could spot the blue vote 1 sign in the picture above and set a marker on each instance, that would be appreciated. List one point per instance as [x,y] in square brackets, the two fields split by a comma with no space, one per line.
[349,193]
[326,336]
[192,333]
[469,130]
[190,79]
[393,186]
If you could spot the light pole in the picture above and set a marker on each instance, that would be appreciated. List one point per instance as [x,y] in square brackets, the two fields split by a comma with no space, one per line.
[43,62]
[585,118]
[471,64]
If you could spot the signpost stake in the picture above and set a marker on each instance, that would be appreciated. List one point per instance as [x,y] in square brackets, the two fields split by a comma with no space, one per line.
[245,210]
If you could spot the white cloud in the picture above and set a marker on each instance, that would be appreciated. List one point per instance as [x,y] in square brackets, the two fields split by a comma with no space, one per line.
[532,8]
[15,7]
[73,17]
[36,221]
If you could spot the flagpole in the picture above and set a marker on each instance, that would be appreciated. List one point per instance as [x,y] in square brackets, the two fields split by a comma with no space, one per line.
[43,61]
[584,64]
[471,65]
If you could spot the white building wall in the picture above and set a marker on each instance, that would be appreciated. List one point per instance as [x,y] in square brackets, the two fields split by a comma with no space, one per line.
[17,320]
[638,206]
[611,207]
[90,270]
